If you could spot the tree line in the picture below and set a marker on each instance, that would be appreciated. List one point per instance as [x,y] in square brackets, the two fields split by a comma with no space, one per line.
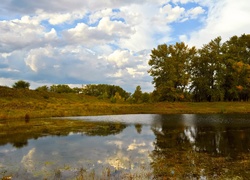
[218,71]
[102,91]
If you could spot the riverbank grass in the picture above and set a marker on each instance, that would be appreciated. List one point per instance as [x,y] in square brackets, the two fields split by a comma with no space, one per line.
[26,104]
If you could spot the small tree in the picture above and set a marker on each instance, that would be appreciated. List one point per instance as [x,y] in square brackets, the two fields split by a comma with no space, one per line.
[21,85]
[137,94]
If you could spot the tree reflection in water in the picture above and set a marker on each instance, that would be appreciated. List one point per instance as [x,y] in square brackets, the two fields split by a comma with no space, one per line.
[199,146]
[18,132]
[184,146]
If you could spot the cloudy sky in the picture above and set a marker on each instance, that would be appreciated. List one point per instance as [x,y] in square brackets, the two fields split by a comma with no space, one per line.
[78,42]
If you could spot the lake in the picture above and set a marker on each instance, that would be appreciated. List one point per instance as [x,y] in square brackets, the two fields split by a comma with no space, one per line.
[143,146]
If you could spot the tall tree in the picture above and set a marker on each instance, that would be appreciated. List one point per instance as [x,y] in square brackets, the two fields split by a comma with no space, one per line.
[137,94]
[237,60]
[207,70]
[170,70]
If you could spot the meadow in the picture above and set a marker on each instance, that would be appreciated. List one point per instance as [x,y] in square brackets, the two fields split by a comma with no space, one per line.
[27,104]
[26,114]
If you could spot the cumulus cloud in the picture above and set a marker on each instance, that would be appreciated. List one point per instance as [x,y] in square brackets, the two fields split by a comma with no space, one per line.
[172,13]
[120,58]
[107,31]
[84,34]
[147,27]
[59,18]
[19,33]
[39,59]
[104,42]
[114,28]
[96,16]
[225,18]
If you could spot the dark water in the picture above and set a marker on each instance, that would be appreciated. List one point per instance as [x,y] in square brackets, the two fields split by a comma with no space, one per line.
[184,146]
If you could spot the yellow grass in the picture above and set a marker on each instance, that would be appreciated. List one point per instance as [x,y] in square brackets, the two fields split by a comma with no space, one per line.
[16,104]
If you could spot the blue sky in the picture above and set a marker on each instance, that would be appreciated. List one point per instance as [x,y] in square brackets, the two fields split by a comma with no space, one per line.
[79,42]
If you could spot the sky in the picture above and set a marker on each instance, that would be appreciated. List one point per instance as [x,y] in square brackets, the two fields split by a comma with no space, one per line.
[79,42]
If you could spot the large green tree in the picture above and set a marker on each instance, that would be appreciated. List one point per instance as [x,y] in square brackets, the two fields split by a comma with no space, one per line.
[237,61]
[170,70]
[218,71]
[207,72]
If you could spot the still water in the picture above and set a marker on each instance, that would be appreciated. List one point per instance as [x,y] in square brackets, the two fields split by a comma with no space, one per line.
[147,146]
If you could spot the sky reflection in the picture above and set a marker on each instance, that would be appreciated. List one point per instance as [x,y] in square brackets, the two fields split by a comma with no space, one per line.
[143,144]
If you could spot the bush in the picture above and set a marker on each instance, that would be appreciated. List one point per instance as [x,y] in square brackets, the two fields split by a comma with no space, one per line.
[21,85]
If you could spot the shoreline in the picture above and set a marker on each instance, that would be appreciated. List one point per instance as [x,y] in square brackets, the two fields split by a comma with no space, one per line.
[32,110]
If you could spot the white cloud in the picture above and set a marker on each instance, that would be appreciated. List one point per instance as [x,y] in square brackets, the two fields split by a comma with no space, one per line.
[114,28]
[146,27]
[60,17]
[107,31]
[51,35]
[184,1]
[6,82]
[19,33]
[120,57]
[38,59]
[193,13]
[83,34]
[225,18]
[172,13]
[105,41]
[96,16]
[133,72]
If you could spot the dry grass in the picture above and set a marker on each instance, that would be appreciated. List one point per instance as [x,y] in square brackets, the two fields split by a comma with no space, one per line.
[16,104]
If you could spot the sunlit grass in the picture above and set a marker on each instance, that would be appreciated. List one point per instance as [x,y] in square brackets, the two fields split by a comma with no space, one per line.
[15,109]
[16,104]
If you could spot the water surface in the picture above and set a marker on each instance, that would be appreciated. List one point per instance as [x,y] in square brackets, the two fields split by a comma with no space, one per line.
[187,146]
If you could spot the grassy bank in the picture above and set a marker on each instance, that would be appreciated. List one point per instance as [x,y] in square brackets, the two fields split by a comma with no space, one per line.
[22,103]
[19,108]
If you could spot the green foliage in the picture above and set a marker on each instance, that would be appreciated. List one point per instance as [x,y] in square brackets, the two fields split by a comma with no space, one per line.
[104,91]
[170,70]
[137,95]
[207,71]
[18,103]
[61,88]
[113,100]
[215,72]
[21,85]
[77,90]
[43,88]
[145,97]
